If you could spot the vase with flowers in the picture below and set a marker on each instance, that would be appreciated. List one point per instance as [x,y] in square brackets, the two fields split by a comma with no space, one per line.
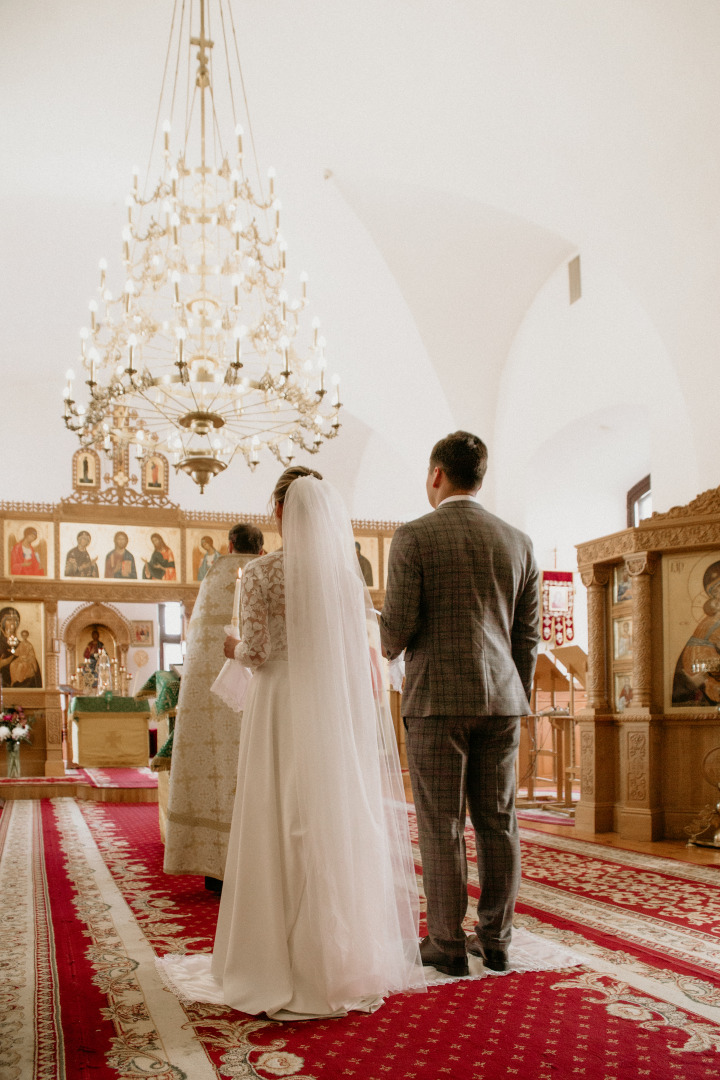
[14,730]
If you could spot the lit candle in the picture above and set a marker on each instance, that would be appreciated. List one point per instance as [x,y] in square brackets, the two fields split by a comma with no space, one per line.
[236,600]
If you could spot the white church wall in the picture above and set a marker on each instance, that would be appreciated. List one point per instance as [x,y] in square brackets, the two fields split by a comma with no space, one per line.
[582,376]
[589,404]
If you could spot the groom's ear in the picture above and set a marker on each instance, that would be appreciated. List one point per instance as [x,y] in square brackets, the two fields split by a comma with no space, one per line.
[437,477]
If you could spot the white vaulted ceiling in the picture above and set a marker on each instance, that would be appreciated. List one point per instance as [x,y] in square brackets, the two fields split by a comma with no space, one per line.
[475,146]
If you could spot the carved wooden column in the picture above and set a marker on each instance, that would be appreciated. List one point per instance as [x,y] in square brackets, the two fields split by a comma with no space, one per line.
[54,765]
[641,567]
[595,579]
[639,813]
[595,811]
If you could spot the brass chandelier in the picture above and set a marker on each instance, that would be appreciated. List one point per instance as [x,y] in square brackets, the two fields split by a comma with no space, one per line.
[201,354]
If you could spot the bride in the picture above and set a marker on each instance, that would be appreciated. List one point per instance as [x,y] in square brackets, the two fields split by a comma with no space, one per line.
[319,907]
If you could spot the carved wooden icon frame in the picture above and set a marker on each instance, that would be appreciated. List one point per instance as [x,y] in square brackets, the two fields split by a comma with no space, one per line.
[86,470]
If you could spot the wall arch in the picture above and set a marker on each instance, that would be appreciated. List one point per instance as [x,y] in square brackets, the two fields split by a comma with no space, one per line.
[89,615]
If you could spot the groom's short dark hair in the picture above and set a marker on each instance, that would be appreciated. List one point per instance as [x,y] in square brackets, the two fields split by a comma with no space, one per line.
[246,539]
[462,457]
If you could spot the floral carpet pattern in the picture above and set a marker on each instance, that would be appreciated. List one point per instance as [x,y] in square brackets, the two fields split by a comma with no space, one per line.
[87,907]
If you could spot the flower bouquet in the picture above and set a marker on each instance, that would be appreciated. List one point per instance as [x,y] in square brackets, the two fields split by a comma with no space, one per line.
[14,730]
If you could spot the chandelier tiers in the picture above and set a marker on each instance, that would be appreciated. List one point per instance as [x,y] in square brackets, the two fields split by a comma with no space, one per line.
[202,355]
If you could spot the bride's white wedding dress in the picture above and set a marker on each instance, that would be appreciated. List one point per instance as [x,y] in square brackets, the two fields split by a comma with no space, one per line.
[318,913]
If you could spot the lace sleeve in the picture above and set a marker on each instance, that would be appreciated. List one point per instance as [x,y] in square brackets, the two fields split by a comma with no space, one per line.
[254,647]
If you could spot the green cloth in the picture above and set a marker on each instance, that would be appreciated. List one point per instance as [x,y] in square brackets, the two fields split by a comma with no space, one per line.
[148,689]
[164,686]
[108,703]
[167,690]
[162,759]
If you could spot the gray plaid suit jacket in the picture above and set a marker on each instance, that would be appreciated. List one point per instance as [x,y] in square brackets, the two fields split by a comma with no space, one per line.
[463,600]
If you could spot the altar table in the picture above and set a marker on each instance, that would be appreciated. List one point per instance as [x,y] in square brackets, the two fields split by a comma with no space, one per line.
[110,732]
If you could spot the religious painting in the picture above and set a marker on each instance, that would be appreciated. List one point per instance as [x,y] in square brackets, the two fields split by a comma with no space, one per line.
[161,565]
[366,549]
[29,549]
[622,584]
[203,548]
[691,631]
[155,475]
[22,645]
[91,640]
[142,632]
[622,639]
[86,470]
[131,553]
[623,690]
[79,562]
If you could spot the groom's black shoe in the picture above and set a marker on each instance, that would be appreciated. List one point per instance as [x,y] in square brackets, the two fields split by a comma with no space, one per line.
[495,959]
[448,965]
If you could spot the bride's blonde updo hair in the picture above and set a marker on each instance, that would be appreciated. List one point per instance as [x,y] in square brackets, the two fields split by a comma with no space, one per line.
[293,473]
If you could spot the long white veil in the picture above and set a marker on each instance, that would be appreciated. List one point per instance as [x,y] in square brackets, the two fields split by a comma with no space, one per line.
[360,874]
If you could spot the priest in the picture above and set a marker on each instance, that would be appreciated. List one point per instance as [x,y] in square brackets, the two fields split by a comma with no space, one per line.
[207,732]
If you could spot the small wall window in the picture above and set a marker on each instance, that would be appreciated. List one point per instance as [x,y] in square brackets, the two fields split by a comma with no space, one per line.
[172,646]
[639,502]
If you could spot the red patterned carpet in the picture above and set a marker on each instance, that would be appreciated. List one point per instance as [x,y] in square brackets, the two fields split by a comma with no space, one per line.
[86,907]
[97,778]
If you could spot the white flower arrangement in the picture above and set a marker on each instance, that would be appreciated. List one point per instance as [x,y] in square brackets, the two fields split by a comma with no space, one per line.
[14,727]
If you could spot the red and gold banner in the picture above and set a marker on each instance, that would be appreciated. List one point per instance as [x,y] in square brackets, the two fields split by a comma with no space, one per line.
[558,595]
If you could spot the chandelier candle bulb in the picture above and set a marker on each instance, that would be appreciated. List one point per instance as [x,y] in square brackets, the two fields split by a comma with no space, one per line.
[271,177]
[239,133]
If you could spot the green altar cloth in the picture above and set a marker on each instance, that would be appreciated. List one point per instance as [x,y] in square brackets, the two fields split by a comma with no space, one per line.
[107,703]
[164,686]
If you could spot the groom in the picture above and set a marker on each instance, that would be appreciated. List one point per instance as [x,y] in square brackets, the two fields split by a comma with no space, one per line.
[463,601]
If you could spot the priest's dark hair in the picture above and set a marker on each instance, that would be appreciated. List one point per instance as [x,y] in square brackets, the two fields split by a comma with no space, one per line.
[246,539]
[463,458]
